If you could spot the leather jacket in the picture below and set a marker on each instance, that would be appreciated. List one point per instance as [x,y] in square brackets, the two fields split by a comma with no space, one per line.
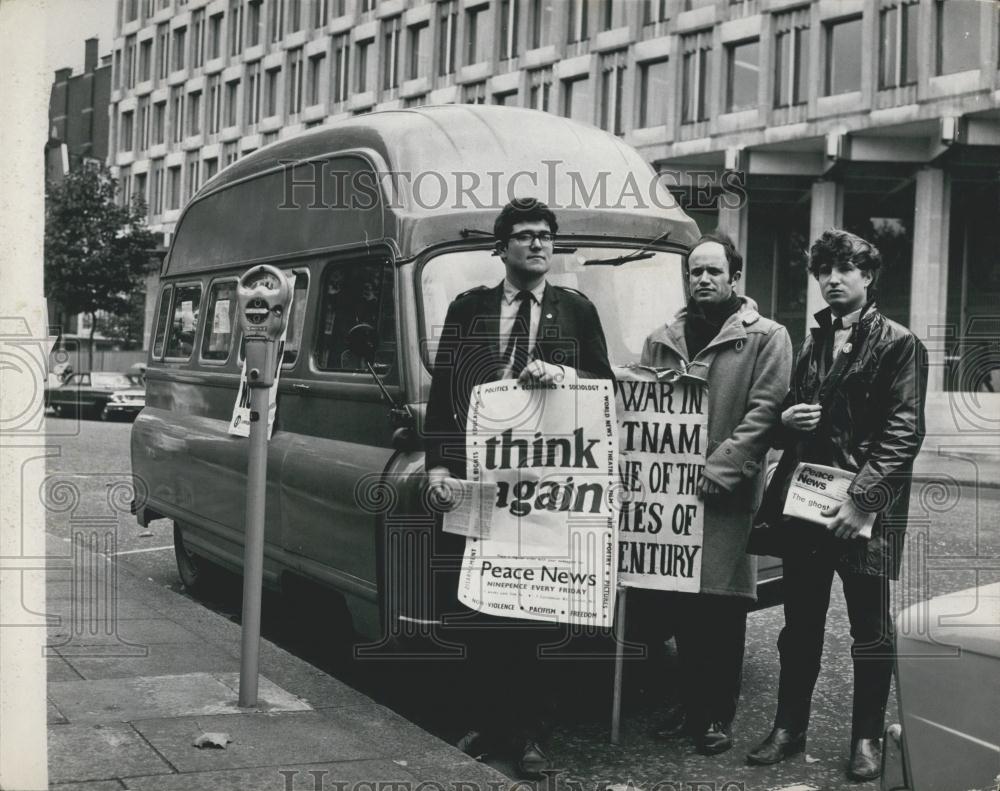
[872,424]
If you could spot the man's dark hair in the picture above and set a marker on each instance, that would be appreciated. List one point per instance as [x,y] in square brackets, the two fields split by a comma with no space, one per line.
[733,256]
[836,247]
[522,210]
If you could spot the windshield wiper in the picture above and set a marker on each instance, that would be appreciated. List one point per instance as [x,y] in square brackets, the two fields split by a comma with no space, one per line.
[638,255]
[465,233]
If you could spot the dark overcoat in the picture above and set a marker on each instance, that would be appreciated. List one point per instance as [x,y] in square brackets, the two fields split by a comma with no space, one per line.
[872,424]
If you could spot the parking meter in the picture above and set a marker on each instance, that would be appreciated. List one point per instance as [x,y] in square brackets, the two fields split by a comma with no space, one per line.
[264,296]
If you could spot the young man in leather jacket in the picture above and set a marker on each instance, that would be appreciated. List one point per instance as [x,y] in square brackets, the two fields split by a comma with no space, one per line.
[856,403]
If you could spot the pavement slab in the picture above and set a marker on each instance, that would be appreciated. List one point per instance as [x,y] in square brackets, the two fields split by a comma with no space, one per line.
[94,785]
[161,660]
[128,699]
[258,740]
[93,751]
[289,777]
[113,631]
[388,734]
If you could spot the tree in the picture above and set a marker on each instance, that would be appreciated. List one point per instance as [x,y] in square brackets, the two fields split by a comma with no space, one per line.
[97,252]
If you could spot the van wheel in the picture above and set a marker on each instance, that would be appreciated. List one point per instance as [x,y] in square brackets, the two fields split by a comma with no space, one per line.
[191,568]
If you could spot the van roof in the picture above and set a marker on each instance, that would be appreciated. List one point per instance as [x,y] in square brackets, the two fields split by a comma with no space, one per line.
[455,166]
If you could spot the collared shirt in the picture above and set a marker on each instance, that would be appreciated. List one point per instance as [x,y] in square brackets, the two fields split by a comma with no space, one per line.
[509,305]
[841,334]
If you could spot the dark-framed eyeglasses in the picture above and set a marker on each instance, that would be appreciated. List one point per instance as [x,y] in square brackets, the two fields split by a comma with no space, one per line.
[527,237]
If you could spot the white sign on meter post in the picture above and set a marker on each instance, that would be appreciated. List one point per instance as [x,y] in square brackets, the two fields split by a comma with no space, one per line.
[264,296]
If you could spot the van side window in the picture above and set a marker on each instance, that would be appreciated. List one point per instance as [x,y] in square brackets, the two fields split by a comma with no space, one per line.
[161,321]
[221,319]
[297,318]
[357,293]
[184,323]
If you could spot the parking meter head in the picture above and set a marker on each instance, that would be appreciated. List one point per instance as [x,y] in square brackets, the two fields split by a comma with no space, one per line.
[264,296]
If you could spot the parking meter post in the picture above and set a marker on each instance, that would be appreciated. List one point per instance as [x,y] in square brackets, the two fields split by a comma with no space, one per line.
[264,295]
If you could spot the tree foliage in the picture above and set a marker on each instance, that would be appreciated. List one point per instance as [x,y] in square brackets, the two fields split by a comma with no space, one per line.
[97,252]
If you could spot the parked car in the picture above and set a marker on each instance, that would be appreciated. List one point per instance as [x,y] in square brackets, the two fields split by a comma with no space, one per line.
[948,686]
[97,394]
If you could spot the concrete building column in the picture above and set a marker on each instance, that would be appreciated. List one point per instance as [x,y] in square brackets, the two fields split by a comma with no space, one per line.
[733,221]
[929,284]
[826,211]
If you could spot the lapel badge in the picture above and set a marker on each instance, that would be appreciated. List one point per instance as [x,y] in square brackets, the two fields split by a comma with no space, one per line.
[548,315]
[847,348]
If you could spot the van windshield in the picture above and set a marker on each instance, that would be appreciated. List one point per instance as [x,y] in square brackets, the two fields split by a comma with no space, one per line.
[632,299]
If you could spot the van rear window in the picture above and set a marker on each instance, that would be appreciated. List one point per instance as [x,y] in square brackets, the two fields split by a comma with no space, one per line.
[161,321]
[184,323]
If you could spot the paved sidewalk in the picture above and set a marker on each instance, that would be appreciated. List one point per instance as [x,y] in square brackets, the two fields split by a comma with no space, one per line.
[136,675]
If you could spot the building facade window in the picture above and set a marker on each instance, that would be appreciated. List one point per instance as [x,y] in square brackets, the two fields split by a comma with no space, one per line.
[294,15]
[230,117]
[316,84]
[843,64]
[176,114]
[415,101]
[146,60]
[361,65]
[131,61]
[390,53]
[198,38]
[125,185]
[579,19]
[255,23]
[606,17]
[276,20]
[230,153]
[653,92]
[540,88]
[235,27]
[541,23]
[695,77]
[341,68]
[214,43]
[612,89]
[743,79]
[253,93]
[478,35]
[272,79]
[193,180]
[295,81]
[210,168]
[474,93]
[180,48]
[897,62]
[418,62]
[505,99]
[162,51]
[791,58]
[156,187]
[174,187]
[213,108]
[139,188]
[194,113]
[578,99]
[654,12]
[957,28]
[142,126]
[447,35]
[508,28]
[159,123]
[321,13]
[127,129]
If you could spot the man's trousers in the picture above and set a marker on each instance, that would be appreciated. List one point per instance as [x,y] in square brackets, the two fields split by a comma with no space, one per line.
[806,588]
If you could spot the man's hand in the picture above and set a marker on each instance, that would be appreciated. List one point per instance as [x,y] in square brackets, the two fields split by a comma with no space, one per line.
[706,487]
[542,373]
[848,519]
[802,417]
[443,487]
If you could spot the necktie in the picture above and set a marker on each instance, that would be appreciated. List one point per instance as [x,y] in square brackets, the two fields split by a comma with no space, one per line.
[517,345]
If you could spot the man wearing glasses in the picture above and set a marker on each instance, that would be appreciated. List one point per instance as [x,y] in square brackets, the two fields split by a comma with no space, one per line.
[527,329]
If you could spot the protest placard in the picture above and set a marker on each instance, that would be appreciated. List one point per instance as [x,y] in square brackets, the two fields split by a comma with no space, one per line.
[552,453]
[663,431]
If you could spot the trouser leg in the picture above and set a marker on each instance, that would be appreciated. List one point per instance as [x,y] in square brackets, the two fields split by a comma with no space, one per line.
[806,590]
[685,615]
[872,650]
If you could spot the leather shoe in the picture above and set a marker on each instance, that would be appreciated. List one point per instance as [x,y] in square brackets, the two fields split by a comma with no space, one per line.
[866,759]
[532,762]
[674,723]
[717,738]
[779,745]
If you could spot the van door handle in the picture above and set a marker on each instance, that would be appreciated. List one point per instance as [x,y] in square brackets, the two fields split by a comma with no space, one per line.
[299,386]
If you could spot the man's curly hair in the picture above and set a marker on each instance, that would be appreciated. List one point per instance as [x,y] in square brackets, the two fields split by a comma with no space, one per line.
[836,247]
[522,210]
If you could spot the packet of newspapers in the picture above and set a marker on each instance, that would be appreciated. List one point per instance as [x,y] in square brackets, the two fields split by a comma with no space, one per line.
[816,487]
[472,514]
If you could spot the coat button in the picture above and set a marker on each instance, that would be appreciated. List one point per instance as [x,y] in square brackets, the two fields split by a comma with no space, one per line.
[729,451]
[740,344]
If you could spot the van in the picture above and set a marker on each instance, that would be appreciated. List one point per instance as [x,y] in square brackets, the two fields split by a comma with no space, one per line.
[381,220]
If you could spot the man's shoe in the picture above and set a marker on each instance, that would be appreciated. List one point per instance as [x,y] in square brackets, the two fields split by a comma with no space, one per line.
[674,723]
[532,762]
[472,744]
[716,739]
[866,759]
[779,745]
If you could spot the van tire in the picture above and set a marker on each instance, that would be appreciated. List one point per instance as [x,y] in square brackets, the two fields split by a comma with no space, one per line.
[193,570]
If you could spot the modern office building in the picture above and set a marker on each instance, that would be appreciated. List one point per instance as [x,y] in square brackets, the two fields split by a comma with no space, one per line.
[882,116]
